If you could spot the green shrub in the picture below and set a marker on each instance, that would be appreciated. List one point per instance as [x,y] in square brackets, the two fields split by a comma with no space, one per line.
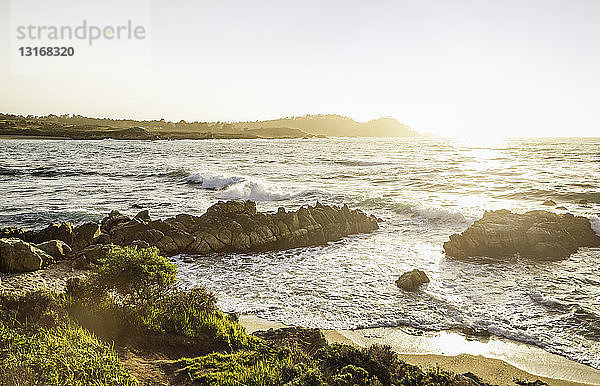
[135,276]
[133,291]
[337,364]
[243,367]
[193,313]
[40,307]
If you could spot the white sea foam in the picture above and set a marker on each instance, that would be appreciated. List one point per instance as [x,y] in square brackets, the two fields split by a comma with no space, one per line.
[595,222]
[214,181]
[439,214]
[431,214]
[231,187]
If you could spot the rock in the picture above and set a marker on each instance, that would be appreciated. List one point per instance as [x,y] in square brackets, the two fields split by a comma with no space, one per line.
[549,203]
[15,233]
[232,226]
[535,234]
[188,260]
[58,249]
[89,255]
[411,281]
[561,208]
[236,226]
[113,219]
[583,202]
[19,256]
[85,235]
[62,231]
[143,217]
[140,244]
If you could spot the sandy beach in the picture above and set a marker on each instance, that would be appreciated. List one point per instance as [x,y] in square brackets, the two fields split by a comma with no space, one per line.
[495,360]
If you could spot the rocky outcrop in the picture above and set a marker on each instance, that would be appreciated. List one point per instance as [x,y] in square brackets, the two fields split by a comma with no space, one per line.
[232,226]
[19,256]
[56,248]
[236,226]
[411,281]
[536,234]
[62,231]
[85,235]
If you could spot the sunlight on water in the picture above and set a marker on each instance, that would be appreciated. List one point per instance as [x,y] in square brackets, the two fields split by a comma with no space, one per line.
[424,189]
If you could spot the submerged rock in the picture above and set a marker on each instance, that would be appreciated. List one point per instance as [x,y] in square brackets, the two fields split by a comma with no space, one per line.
[411,281]
[536,234]
[549,203]
[19,256]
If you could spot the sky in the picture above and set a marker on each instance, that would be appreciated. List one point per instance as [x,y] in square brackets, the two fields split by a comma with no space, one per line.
[465,68]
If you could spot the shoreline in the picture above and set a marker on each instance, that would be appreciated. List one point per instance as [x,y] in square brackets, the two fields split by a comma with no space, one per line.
[495,360]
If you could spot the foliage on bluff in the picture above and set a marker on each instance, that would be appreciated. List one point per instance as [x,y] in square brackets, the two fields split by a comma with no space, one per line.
[74,338]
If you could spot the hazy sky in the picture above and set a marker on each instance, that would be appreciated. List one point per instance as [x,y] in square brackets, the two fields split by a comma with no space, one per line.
[525,68]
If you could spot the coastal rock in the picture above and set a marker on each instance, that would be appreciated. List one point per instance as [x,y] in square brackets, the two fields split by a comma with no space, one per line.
[62,231]
[14,232]
[549,203]
[55,248]
[143,216]
[236,226]
[411,281]
[19,256]
[85,235]
[232,226]
[89,255]
[113,219]
[535,234]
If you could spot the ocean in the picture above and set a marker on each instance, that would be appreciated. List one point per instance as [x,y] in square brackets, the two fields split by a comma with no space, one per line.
[425,189]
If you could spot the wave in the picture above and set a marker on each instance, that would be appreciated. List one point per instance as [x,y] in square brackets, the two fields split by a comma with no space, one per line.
[52,173]
[430,214]
[361,163]
[8,172]
[232,187]
[214,181]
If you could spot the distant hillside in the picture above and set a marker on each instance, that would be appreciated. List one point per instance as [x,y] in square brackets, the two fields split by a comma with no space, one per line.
[337,126]
[80,127]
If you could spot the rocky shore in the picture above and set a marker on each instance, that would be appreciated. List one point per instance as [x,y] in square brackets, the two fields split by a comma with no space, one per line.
[536,234]
[232,226]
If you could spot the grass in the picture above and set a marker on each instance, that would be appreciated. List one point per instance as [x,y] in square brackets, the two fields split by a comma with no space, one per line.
[40,345]
[336,364]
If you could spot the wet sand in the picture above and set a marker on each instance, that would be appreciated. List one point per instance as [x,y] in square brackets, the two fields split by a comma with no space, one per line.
[495,360]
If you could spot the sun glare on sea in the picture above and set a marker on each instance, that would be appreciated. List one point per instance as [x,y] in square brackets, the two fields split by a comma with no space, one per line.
[485,140]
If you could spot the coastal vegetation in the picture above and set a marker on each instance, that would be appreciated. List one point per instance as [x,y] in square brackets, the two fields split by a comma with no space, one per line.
[130,304]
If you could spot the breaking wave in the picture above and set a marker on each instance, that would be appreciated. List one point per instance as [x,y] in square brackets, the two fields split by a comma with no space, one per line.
[231,187]
[430,214]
